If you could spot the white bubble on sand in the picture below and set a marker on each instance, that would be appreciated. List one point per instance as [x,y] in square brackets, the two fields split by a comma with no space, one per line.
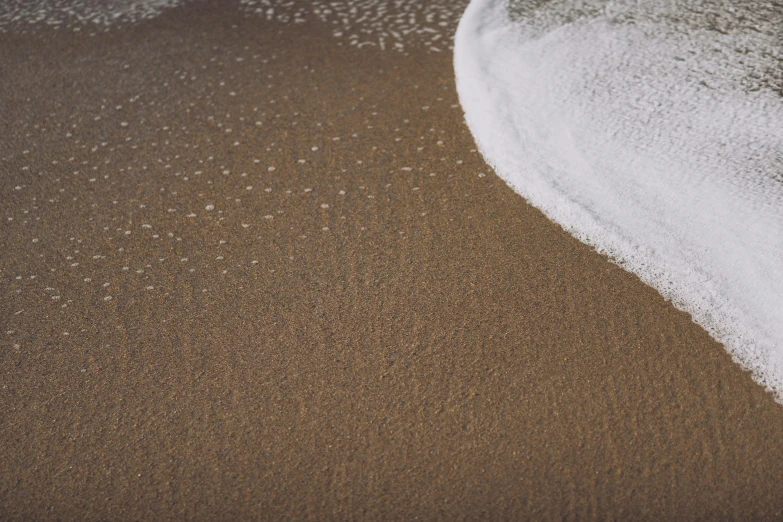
[93,14]
[151,242]
[376,24]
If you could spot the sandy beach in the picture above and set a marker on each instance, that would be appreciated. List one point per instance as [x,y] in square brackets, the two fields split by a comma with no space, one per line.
[250,271]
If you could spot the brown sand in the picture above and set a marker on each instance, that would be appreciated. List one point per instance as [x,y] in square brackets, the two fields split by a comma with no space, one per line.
[441,351]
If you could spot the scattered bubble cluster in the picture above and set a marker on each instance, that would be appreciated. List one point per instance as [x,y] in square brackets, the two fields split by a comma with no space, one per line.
[385,24]
[80,14]
[120,194]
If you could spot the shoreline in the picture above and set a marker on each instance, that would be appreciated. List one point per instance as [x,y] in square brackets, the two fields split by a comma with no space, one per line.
[422,346]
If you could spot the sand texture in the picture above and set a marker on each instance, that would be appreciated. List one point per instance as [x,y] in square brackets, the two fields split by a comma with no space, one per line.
[197,324]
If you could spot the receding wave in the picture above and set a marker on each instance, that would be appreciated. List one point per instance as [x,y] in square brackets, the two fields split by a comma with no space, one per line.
[652,131]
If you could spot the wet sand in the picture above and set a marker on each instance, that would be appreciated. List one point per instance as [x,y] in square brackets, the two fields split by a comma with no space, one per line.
[389,332]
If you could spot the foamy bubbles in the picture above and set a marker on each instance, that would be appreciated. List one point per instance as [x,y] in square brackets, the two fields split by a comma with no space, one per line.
[651,141]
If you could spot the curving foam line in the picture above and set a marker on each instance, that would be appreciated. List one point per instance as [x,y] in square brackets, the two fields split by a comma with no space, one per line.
[642,139]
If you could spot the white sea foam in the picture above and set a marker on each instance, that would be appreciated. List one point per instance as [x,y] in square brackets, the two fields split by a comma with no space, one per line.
[653,137]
